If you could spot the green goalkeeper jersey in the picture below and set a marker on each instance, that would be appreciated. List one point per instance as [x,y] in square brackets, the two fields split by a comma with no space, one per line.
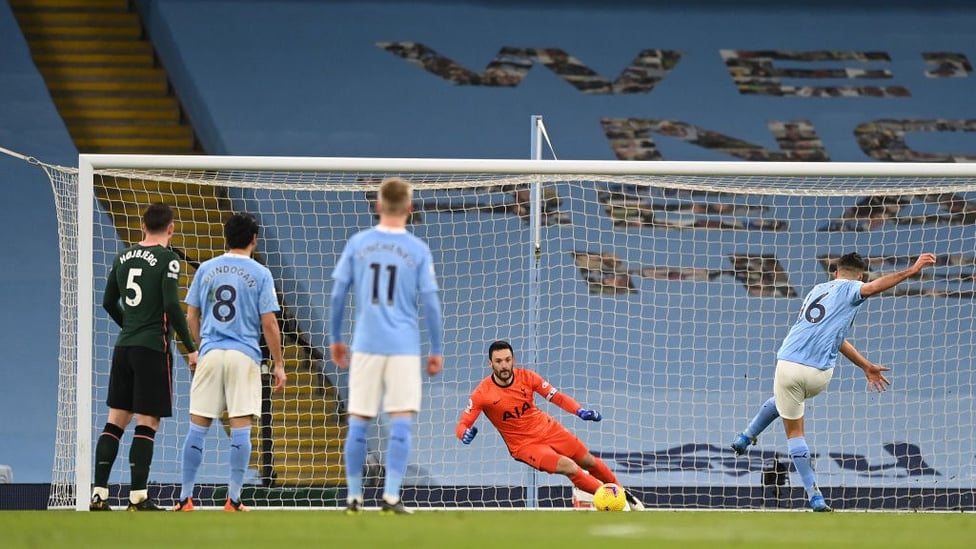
[142,296]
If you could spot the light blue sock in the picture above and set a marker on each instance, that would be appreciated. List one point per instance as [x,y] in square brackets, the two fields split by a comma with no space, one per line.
[192,458]
[800,454]
[767,413]
[397,454]
[355,456]
[240,456]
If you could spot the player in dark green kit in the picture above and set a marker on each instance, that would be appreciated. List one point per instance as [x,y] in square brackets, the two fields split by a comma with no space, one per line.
[141,296]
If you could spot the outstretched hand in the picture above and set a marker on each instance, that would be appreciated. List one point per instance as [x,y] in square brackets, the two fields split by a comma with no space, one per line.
[469,434]
[924,260]
[588,415]
[876,380]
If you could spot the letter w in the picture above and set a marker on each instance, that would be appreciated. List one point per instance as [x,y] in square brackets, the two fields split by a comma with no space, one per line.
[510,66]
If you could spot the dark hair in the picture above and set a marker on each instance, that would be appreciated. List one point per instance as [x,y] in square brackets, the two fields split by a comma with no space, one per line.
[239,230]
[157,217]
[499,346]
[852,262]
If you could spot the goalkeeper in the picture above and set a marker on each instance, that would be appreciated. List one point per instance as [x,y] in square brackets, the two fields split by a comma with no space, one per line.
[533,436]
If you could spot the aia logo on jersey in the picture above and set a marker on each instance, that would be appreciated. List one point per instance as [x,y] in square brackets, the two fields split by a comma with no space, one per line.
[517,411]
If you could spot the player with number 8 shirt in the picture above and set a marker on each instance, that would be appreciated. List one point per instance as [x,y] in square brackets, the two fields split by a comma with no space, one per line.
[231,303]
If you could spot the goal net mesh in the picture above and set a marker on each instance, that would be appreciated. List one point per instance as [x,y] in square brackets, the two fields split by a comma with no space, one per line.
[658,300]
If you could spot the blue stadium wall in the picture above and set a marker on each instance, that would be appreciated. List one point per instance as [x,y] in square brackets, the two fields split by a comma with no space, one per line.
[31,269]
[334,79]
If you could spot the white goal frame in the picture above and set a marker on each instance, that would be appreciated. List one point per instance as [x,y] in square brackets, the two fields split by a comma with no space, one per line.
[90,164]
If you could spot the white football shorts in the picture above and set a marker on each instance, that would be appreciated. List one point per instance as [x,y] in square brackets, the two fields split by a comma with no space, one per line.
[393,380]
[226,379]
[794,383]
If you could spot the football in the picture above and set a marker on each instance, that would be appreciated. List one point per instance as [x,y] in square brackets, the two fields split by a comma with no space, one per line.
[609,497]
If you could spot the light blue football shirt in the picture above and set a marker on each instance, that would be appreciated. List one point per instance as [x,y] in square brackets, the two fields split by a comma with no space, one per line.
[388,270]
[824,321]
[232,292]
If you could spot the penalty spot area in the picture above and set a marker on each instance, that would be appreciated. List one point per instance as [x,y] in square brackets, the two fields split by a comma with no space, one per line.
[618,531]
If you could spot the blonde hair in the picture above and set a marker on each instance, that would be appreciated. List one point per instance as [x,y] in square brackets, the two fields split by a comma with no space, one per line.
[395,196]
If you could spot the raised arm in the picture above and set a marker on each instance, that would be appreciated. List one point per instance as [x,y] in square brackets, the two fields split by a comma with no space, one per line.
[565,401]
[873,372]
[562,400]
[890,280]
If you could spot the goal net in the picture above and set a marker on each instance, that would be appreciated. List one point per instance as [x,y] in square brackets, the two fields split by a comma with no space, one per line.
[656,293]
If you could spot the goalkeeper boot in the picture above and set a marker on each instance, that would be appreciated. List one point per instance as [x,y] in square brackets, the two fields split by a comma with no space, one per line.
[98,504]
[582,499]
[185,505]
[633,503]
[144,505]
[741,443]
[232,506]
[387,508]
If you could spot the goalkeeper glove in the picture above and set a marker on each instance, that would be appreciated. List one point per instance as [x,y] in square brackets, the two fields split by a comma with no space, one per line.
[588,415]
[469,434]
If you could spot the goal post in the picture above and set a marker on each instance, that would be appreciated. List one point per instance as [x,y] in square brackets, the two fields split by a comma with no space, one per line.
[663,290]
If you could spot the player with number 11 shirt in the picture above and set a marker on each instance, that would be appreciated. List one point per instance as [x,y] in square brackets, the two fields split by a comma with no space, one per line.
[390,272]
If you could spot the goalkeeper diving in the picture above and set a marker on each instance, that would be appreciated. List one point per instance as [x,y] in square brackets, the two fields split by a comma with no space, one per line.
[534,437]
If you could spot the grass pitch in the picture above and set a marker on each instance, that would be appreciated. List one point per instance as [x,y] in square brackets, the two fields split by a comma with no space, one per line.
[485,529]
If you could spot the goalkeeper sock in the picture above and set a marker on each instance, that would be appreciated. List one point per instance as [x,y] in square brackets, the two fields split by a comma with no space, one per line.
[355,456]
[585,481]
[602,472]
[140,458]
[240,456]
[192,458]
[800,454]
[397,454]
[767,413]
[106,450]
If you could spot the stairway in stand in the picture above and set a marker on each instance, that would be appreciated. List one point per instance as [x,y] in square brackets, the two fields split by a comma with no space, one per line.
[104,77]
[115,97]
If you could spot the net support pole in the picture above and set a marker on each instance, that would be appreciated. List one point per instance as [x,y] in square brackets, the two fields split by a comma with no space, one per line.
[85,325]
[535,255]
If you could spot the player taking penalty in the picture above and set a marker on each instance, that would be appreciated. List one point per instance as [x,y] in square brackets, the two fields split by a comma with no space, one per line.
[507,398]
[806,358]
